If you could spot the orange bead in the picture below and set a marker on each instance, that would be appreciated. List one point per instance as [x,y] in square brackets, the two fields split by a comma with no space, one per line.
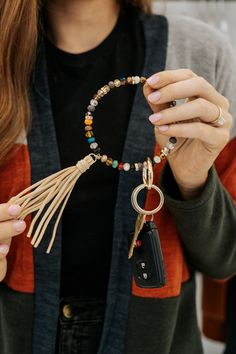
[88,121]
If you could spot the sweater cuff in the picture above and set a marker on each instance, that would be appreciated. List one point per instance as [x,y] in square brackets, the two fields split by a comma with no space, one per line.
[172,193]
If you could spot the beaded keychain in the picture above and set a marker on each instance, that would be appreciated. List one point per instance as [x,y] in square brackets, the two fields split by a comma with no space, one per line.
[52,193]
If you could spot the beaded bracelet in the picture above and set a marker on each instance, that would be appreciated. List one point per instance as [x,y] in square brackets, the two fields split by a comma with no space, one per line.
[50,195]
[89,134]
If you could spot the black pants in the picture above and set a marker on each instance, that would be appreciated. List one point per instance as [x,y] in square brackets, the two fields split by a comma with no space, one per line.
[80,325]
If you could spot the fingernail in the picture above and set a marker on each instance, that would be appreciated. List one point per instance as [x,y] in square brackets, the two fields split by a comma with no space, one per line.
[163,128]
[4,249]
[153,97]
[19,225]
[153,80]
[14,210]
[155,117]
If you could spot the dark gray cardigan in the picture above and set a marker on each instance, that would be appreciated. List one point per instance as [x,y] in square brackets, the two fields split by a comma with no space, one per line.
[133,325]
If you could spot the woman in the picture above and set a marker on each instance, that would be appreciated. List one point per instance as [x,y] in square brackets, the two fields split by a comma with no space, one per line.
[81,46]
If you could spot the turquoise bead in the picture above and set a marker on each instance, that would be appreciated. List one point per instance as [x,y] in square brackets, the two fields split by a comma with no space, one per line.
[91,140]
[114,163]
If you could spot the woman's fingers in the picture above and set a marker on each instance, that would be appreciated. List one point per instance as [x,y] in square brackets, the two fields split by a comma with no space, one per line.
[8,211]
[3,268]
[12,228]
[193,87]
[167,77]
[208,134]
[198,108]
[4,247]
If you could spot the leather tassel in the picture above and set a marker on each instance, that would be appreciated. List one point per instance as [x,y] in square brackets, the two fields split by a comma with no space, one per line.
[49,195]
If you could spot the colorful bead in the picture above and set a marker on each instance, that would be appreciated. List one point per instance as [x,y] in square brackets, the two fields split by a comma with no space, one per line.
[89,134]
[120,166]
[109,161]
[93,146]
[104,158]
[88,127]
[129,80]
[126,166]
[114,163]
[88,121]
[91,140]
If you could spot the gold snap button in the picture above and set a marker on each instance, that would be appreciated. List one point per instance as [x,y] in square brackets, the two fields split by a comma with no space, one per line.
[66,310]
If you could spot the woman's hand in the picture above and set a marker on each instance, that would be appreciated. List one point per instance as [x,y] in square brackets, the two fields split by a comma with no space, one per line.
[198,141]
[9,227]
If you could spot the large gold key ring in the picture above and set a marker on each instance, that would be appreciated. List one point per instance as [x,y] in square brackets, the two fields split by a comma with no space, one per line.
[147,183]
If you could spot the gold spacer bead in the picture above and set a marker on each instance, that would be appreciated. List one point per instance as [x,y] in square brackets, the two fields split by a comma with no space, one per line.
[117,83]
[162,156]
[129,80]
[143,79]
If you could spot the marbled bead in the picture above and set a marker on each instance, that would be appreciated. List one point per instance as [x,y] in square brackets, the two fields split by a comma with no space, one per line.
[91,140]
[126,166]
[114,163]
[117,83]
[120,166]
[91,108]
[136,79]
[111,84]
[157,159]
[88,117]
[170,146]
[104,158]
[88,114]
[173,140]
[93,146]
[88,121]
[88,127]
[109,161]
[94,102]
[89,134]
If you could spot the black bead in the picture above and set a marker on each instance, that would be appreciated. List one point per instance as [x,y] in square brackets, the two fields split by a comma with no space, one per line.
[132,167]
[97,151]
[173,140]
